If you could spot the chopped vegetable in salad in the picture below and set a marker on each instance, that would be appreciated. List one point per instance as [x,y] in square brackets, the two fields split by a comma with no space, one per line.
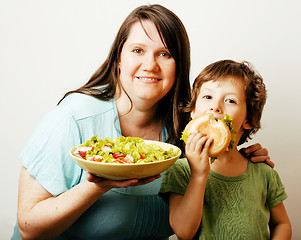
[123,150]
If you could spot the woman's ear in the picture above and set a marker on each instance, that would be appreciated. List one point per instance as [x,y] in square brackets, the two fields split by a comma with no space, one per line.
[246,125]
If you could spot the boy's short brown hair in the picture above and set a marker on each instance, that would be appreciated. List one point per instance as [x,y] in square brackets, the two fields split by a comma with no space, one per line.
[256,93]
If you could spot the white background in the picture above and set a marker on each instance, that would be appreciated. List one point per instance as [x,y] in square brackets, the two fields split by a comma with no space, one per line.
[50,47]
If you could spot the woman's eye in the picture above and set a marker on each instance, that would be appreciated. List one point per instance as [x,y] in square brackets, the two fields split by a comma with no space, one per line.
[137,50]
[165,54]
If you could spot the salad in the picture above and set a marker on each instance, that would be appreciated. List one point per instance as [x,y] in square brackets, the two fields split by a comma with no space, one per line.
[123,150]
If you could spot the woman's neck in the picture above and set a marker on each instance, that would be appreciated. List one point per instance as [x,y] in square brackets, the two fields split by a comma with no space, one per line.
[138,120]
[230,164]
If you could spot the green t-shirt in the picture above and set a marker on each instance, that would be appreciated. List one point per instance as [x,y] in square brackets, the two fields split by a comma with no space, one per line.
[234,207]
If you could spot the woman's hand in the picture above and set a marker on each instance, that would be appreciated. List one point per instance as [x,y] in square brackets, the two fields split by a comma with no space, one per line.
[109,184]
[257,154]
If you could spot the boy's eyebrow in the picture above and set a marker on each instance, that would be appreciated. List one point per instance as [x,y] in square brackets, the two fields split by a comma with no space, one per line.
[212,90]
[205,89]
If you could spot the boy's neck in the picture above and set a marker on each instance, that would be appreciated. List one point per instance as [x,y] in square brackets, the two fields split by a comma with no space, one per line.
[230,164]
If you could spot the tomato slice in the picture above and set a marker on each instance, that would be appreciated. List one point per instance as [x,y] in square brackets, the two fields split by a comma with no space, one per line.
[118,155]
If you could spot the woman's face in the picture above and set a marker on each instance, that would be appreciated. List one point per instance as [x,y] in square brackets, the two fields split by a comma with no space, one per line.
[147,70]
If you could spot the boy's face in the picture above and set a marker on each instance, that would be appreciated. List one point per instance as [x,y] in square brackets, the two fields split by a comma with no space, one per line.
[224,97]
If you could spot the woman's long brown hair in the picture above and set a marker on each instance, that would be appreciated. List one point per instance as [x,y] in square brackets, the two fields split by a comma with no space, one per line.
[105,80]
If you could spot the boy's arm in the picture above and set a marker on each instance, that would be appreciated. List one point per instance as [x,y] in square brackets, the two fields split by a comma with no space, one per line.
[186,211]
[280,226]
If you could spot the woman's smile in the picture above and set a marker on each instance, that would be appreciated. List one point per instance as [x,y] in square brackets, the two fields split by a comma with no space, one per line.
[148,79]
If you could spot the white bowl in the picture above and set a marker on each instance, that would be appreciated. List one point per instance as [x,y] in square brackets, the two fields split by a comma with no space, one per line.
[127,171]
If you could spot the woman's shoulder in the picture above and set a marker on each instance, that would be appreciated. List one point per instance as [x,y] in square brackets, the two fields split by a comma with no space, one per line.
[82,105]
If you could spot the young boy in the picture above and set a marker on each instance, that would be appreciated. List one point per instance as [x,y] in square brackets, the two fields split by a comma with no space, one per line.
[232,198]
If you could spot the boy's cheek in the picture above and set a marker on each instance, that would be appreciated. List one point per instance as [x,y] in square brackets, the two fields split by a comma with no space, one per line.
[198,110]
[192,113]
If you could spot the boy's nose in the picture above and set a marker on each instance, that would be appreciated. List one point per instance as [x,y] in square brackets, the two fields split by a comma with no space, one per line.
[215,109]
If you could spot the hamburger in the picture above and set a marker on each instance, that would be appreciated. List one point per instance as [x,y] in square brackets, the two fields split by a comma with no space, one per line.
[222,132]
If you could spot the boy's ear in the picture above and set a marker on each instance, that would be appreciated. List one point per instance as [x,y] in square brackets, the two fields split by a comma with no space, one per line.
[246,125]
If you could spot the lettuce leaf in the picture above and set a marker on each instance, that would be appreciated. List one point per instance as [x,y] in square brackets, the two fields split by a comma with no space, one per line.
[228,121]
[184,136]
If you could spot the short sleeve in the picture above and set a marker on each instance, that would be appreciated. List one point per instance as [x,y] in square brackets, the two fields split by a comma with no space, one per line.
[46,154]
[276,190]
[176,179]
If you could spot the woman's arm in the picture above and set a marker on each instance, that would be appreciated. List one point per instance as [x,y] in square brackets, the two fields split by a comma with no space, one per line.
[43,216]
[186,211]
[280,226]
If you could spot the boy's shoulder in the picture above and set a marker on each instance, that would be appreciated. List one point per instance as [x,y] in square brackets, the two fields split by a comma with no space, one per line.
[180,167]
[263,169]
[182,163]
[261,166]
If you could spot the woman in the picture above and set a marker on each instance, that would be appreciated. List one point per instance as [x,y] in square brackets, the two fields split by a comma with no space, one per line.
[138,91]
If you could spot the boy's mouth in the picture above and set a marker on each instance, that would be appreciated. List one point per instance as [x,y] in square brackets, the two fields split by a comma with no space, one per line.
[217,116]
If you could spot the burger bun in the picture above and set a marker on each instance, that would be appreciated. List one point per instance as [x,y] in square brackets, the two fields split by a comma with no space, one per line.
[215,129]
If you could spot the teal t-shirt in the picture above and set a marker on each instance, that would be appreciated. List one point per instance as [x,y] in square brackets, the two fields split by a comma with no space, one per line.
[129,213]
[234,207]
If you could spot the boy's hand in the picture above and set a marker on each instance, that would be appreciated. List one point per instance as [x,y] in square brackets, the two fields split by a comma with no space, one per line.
[197,153]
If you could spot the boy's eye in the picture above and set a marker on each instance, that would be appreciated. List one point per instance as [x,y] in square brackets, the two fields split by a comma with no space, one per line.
[230,101]
[207,97]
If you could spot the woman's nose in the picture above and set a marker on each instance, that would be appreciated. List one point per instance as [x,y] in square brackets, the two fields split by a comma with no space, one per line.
[150,63]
